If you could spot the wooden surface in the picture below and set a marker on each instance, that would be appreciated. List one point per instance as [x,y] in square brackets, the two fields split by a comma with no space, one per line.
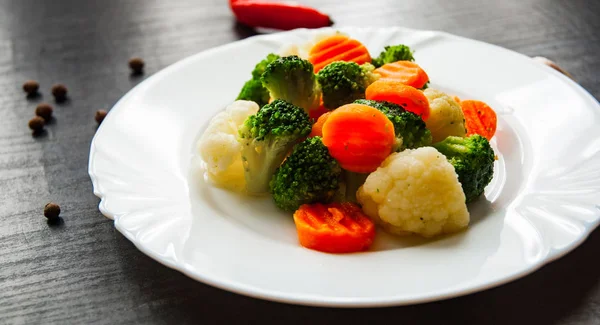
[84,271]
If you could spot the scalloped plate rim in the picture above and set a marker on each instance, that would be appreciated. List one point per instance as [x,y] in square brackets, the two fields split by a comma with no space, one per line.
[316,301]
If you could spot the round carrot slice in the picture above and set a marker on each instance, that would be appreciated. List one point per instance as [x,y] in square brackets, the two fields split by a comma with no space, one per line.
[314,114]
[406,72]
[338,48]
[334,228]
[412,99]
[479,118]
[359,137]
[317,128]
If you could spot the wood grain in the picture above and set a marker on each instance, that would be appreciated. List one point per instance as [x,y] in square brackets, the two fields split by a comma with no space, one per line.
[84,271]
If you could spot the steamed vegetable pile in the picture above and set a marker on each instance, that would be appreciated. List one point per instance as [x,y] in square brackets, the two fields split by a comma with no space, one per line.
[344,142]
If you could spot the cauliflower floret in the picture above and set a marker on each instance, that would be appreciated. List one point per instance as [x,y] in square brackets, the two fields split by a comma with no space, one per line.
[219,149]
[446,117]
[415,191]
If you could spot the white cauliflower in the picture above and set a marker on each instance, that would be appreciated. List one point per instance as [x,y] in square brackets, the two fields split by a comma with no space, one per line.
[219,148]
[446,117]
[415,192]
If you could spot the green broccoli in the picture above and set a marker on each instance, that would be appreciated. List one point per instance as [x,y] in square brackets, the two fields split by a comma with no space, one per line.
[292,79]
[260,68]
[253,89]
[392,54]
[308,175]
[473,160]
[410,129]
[343,82]
[266,138]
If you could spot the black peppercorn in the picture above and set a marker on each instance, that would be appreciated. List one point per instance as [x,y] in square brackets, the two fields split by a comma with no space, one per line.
[44,111]
[31,87]
[100,115]
[51,211]
[59,92]
[136,65]
[37,124]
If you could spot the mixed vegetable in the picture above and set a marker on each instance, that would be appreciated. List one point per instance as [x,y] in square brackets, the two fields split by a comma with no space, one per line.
[345,141]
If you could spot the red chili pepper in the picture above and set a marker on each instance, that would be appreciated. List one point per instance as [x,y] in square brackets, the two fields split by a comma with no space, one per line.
[266,14]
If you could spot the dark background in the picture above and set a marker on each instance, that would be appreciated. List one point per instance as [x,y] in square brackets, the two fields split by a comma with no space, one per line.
[84,271]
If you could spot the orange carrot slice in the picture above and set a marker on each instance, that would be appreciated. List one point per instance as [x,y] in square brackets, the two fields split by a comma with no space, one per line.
[338,48]
[334,228]
[317,128]
[412,99]
[479,118]
[408,73]
[314,114]
[359,137]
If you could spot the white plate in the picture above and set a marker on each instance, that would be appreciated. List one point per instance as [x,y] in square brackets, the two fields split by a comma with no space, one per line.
[543,202]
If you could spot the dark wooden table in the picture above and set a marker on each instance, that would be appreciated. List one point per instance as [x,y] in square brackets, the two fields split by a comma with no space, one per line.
[84,271]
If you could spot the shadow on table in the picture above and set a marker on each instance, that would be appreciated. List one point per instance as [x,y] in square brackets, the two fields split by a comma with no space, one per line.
[243,31]
[545,297]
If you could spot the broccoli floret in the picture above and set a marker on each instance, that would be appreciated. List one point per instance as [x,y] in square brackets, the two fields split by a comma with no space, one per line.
[266,138]
[410,129]
[292,79]
[344,82]
[473,160]
[308,175]
[253,89]
[392,54]
[260,68]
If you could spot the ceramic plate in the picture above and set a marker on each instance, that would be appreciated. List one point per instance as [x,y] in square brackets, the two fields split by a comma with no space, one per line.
[543,201]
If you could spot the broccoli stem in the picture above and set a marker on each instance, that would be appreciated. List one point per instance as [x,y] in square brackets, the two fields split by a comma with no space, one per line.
[452,146]
[260,163]
[353,181]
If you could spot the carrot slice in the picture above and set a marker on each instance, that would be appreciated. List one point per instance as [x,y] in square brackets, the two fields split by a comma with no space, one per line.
[314,114]
[412,99]
[408,73]
[317,128]
[338,48]
[479,118]
[334,228]
[359,137]
[327,42]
